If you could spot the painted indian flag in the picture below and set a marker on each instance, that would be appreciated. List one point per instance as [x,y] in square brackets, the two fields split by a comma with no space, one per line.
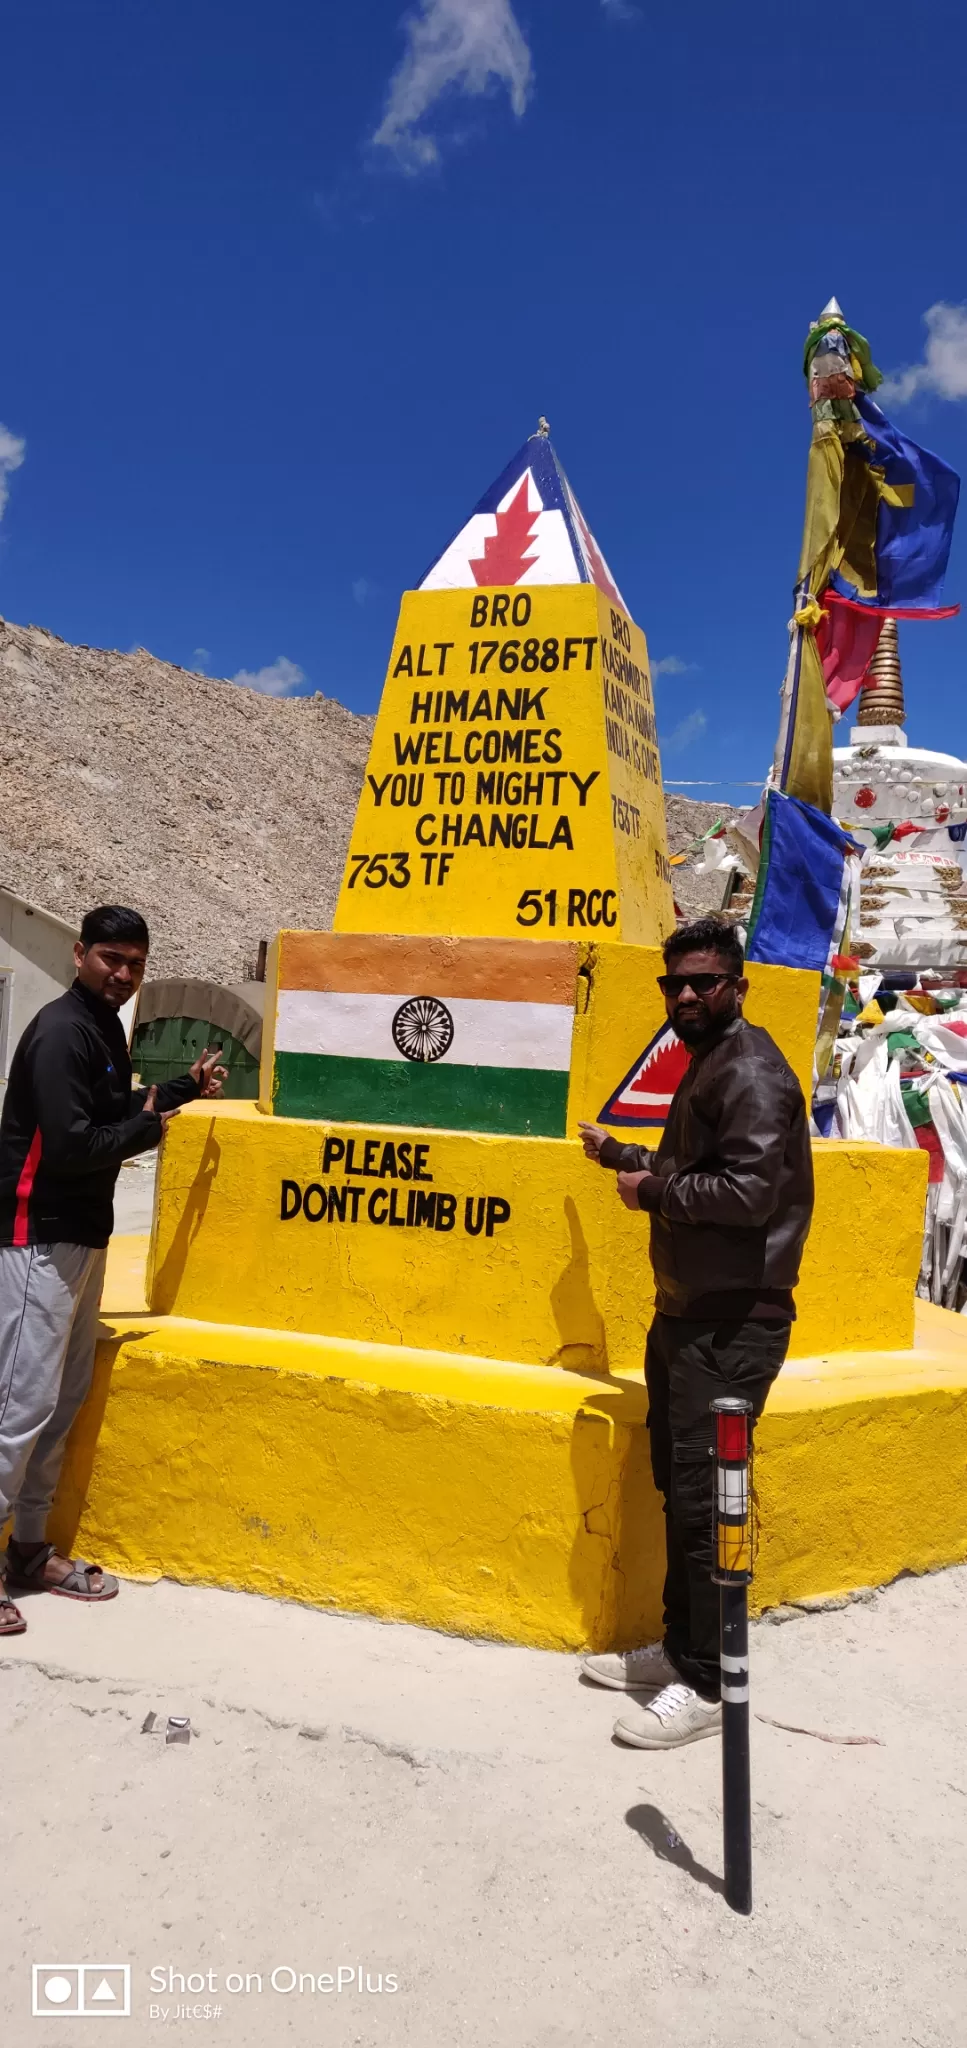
[461,1034]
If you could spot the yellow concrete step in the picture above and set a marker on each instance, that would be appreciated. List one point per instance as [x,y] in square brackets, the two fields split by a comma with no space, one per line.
[480,1495]
[244,1234]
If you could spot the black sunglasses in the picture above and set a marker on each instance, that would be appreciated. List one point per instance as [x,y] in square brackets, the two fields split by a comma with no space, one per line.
[700,984]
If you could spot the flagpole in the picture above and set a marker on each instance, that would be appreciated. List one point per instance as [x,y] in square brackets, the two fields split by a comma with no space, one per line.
[779,776]
[790,691]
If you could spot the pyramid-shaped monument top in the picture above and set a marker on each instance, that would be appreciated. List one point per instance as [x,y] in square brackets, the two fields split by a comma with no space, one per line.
[513,788]
[528,529]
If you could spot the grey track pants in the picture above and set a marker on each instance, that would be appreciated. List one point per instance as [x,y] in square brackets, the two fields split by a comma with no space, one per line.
[49,1300]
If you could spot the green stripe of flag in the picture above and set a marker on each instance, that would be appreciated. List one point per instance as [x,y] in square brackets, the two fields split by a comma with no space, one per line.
[526,1100]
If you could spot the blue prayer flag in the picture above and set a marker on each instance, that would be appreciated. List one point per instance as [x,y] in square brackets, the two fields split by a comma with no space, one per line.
[797,898]
[912,536]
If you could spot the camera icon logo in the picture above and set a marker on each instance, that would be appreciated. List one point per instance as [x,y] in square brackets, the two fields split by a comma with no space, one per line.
[81,1991]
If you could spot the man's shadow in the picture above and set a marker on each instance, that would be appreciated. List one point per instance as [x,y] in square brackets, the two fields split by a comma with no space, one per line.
[651,1824]
[584,1342]
[166,1274]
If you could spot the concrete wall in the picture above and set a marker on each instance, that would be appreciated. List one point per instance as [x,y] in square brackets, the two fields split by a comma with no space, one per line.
[250,992]
[36,964]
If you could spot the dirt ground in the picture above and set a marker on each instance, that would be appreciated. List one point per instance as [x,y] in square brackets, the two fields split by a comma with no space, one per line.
[454,1815]
[134,1195]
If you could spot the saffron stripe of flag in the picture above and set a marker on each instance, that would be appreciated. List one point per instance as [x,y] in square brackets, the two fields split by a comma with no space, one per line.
[503,970]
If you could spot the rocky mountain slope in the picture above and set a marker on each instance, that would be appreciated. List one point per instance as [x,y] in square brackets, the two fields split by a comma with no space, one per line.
[220,813]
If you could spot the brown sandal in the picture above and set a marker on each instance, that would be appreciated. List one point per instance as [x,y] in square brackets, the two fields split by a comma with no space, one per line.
[12,1622]
[28,1577]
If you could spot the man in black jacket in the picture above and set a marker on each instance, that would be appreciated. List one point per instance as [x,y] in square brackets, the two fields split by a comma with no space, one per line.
[70,1118]
[730,1194]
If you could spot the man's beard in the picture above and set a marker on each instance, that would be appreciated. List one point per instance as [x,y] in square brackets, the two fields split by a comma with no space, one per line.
[702,1028]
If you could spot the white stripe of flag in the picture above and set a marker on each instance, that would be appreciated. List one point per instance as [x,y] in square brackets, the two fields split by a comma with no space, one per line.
[485,1034]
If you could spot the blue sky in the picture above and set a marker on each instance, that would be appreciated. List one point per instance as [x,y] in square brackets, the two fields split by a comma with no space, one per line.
[285,286]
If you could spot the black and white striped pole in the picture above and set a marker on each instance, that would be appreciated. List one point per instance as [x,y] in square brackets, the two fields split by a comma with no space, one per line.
[733,1573]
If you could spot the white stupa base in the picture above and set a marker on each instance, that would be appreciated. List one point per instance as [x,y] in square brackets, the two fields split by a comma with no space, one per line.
[878,736]
[925,950]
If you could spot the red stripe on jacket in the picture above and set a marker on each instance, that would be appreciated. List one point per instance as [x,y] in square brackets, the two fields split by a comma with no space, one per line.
[25,1185]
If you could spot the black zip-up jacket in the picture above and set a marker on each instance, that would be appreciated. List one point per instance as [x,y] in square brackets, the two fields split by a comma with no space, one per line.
[736,1168]
[70,1118]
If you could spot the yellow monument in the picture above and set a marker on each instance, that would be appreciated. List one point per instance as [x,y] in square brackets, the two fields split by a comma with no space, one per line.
[392,1354]
[514,785]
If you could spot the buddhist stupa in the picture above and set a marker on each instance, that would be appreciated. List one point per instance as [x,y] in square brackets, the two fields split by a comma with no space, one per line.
[914,895]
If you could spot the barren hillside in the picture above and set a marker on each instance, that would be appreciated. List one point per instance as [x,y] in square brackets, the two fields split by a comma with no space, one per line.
[686,818]
[220,813]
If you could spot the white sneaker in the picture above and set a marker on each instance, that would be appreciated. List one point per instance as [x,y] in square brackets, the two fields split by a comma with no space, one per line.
[673,1717]
[647,1670]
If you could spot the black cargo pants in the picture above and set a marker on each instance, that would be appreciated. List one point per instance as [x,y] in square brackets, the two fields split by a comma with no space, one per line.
[687,1366]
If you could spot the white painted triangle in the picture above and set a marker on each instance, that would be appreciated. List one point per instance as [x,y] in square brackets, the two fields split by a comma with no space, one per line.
[645,1094]
[104,1993]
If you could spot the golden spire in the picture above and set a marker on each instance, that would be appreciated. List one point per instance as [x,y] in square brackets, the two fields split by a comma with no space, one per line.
[881,698]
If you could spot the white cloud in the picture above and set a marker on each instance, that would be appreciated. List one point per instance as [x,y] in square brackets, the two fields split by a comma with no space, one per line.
[943,372]
[620,10]
[671,665]
[468,46]
[682,735]
[12,452]
[280,679]
[201,658]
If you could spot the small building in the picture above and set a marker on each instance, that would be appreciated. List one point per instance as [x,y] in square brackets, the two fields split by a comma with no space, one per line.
[176,1019]
[171,1021]
[36,965]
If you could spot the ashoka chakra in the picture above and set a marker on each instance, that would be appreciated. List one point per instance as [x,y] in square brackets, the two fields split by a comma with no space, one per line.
[423,1029]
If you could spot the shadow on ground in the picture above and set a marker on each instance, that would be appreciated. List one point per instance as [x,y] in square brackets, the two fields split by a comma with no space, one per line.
[654,1828]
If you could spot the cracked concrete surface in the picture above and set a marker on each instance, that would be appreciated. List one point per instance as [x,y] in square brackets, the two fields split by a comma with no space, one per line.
[359,1794]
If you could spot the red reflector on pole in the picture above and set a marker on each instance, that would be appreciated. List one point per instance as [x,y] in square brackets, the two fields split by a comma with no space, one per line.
[732,1435]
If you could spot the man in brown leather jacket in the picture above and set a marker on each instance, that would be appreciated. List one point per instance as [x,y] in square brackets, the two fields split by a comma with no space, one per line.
[730,1195]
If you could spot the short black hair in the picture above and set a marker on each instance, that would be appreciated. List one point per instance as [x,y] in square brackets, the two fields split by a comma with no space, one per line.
[706,935]
[111,921]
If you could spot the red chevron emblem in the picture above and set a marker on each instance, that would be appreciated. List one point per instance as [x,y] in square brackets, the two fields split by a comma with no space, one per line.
[644,1096]
[507,553]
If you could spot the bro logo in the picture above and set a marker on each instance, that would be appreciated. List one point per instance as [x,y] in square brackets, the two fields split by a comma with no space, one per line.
[644,1096]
